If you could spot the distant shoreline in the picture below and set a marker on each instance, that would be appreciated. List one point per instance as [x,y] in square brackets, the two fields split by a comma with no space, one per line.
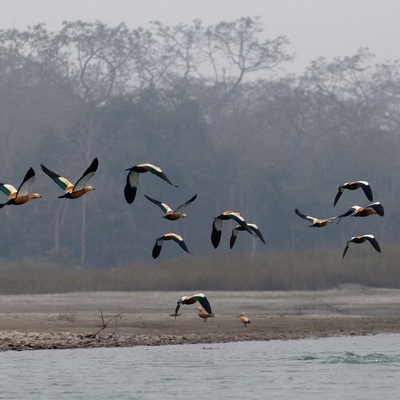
[73,320]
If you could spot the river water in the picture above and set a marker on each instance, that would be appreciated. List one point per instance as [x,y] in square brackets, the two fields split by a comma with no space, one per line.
[332,368]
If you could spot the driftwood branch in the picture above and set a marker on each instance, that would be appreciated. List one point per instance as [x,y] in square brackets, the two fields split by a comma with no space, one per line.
[105,324]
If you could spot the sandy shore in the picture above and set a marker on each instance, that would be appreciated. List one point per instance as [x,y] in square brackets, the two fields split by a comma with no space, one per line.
[74,320]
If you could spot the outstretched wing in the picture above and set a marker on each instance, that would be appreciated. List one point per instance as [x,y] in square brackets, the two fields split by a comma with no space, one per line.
[64,183]
[83,180]
[165,207]
[306,217]
[346,214]
[130,189]
[184,205]
[378,208]
[216,232]
[257,231]
[8,189]
[178,239]
[374,242]
[346,248]
[157,247]
[338,194]
[24,188]
[367,189]
[156,171]
[205,303]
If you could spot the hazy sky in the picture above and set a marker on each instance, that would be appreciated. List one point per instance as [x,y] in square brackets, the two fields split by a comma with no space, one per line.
[327,28]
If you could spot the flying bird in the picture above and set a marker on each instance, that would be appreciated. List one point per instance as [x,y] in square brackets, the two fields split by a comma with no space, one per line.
[132,179]
[187,300]
[362,239]
[21,195]
[364,185]
[169,213]
[316,222]
[357,211]
[244,319]
[79,189]
[203,314]
[217,225]
[168,236]
[239,228]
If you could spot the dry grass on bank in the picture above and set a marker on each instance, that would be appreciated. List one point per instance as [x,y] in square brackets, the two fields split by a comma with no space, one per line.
[290,271]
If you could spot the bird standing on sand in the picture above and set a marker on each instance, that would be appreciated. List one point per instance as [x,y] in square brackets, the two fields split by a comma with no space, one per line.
[357,211]
[239,228]
[169,213]
[80,188]
[316,222]
[132,179]
[362,239]
[187,300]
[168,236]
[244,319]
[217,225]
[364,185]
[203,314]
[22,195]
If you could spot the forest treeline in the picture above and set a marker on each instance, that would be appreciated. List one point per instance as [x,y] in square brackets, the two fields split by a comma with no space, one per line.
[211,106]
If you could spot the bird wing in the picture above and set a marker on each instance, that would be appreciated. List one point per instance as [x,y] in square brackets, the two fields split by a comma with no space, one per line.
[257,231]
[24,188]
[64,183]
[346,214]
[366,188]
[165,207]
[8,189]
[205,303]
[90,171]
[346,248]
[374,242]
[234,234]
[216,232]
[378,208]
[184,205]
[338,194]
[178,239]
[130,189]
[157,171]
[178,305]
[306,217]
[157,247]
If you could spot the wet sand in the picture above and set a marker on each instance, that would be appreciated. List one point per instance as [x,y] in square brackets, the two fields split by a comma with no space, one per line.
[75,320]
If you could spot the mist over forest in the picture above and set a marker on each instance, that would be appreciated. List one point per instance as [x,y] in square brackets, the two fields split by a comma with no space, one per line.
[212,107]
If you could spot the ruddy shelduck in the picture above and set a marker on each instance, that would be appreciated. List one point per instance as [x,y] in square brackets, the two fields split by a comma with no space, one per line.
[244,319]
[204,314]
[361,239]
[21,195]
[364,185]
[370,209]
[169,213]
[168,236]
[132,179]
[316,222]
[198,297]
[239,228]
[79,189]
[217,225]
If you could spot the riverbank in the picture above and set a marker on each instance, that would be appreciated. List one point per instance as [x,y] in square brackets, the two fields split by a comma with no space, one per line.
[120,319]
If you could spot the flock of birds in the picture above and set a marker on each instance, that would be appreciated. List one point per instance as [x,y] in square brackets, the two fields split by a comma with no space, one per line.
[74,191]
[354,211]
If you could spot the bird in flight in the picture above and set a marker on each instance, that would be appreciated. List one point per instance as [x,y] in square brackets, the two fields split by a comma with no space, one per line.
[169,213]
[361,239]
[364,185]
[239,228]
[79,189]
[370,209]
[21,195]
[316,222]
[217,225]
[168,236]
[132,179]
[198,297]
